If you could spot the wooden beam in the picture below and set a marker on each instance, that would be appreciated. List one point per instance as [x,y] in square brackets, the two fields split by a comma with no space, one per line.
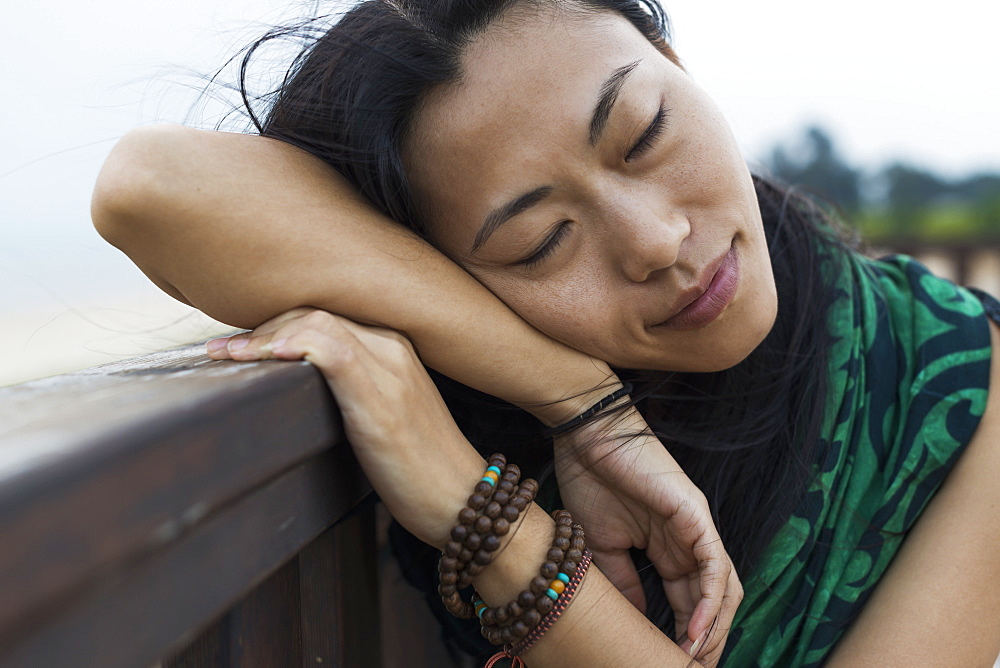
[131,615]
[105,465]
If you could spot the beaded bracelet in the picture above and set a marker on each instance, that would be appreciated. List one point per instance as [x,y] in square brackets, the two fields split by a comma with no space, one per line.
[494,505]
[466,541]
[566,551]
[563,601]
[565,598]
[572,424]
[476,537]
[516,619]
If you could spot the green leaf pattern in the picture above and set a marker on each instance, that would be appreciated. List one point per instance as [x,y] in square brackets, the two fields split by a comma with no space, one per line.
[909,375]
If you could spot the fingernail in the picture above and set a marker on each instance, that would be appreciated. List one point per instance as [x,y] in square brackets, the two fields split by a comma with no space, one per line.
[215,345]
[693,650]
[238,344]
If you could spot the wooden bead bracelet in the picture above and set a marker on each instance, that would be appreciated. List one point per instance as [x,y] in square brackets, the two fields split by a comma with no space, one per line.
[516,619]
[565,598]
[496,503]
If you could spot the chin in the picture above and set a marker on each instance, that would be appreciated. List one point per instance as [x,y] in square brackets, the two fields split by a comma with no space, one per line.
[734,349]
[757,329]
[722,360]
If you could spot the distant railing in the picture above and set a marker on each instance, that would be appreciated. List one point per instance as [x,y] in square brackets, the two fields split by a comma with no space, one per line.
[973,263]
[177,511]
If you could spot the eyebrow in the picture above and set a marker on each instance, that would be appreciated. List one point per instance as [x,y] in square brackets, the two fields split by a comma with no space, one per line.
[605,103]
[502,214]
[607,99]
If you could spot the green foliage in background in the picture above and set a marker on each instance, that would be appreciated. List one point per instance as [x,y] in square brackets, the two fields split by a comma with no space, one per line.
[900,201]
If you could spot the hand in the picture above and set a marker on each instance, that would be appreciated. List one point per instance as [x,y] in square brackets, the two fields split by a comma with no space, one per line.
[399,427]
[625,488]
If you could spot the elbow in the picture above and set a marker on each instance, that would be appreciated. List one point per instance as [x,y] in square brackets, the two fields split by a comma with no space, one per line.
[132,180]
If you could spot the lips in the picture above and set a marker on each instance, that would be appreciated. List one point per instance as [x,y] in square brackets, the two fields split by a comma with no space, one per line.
[700,305]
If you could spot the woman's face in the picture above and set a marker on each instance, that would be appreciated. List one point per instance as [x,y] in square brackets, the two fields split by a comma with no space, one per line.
[591,185]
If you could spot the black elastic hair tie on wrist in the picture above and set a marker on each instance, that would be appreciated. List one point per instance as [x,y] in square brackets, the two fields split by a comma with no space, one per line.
[560,429]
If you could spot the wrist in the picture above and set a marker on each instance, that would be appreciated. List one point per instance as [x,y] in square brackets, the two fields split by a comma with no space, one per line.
[450,500]
[610,420]
[517,560]
[619,439]
[424,484]
[565,404]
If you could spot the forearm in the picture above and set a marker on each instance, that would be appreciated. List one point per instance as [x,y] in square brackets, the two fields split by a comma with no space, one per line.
[423,468]
[599,628]
[244,228]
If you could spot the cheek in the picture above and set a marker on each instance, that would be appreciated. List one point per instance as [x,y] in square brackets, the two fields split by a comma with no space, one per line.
[581,316]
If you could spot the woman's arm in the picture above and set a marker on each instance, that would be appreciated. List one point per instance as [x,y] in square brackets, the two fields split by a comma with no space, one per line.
[243,228]
[424,469]
[939,602]
[599,628]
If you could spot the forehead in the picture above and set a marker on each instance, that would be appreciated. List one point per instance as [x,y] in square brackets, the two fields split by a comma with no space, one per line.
[520,110]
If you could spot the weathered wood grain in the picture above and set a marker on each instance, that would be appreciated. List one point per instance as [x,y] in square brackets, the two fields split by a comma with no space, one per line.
[107,464]
[133,614]
[329,597]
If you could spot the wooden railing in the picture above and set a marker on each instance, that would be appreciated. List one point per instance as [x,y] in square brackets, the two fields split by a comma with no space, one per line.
[174,510]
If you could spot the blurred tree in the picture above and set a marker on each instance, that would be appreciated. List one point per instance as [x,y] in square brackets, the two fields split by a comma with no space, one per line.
[816,164]
[978,187]
[920,203]
[901,200]
[910,192]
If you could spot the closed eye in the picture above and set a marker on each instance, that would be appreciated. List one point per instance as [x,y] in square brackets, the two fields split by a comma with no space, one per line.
[547,247]
[649,137]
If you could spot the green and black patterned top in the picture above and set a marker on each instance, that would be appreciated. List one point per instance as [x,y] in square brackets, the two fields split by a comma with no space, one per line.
[909,373]
[909,377]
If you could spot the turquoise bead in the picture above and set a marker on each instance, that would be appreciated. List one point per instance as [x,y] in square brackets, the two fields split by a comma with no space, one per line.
[551,594]
[488,479]
[495,470]
[563,577]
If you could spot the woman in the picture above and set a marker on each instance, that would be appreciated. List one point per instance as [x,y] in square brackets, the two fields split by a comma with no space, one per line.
[558,153]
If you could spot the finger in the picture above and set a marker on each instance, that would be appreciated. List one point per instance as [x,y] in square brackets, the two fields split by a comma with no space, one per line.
[617,566]
[221,348]
[218,348]
[682,602]
[714,567]
[708,649]
[257,345]
[714,642]
[335,351]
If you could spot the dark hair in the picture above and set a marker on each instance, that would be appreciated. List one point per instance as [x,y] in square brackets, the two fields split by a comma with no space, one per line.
[747,435]
[349,96]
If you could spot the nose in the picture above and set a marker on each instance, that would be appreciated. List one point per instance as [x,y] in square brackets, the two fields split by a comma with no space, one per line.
[651,241]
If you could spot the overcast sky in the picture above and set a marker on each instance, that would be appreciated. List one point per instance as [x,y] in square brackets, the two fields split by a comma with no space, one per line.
[888,80]
[892,79]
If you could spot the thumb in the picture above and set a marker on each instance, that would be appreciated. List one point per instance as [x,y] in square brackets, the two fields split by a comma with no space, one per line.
[617,566]
[714,568]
